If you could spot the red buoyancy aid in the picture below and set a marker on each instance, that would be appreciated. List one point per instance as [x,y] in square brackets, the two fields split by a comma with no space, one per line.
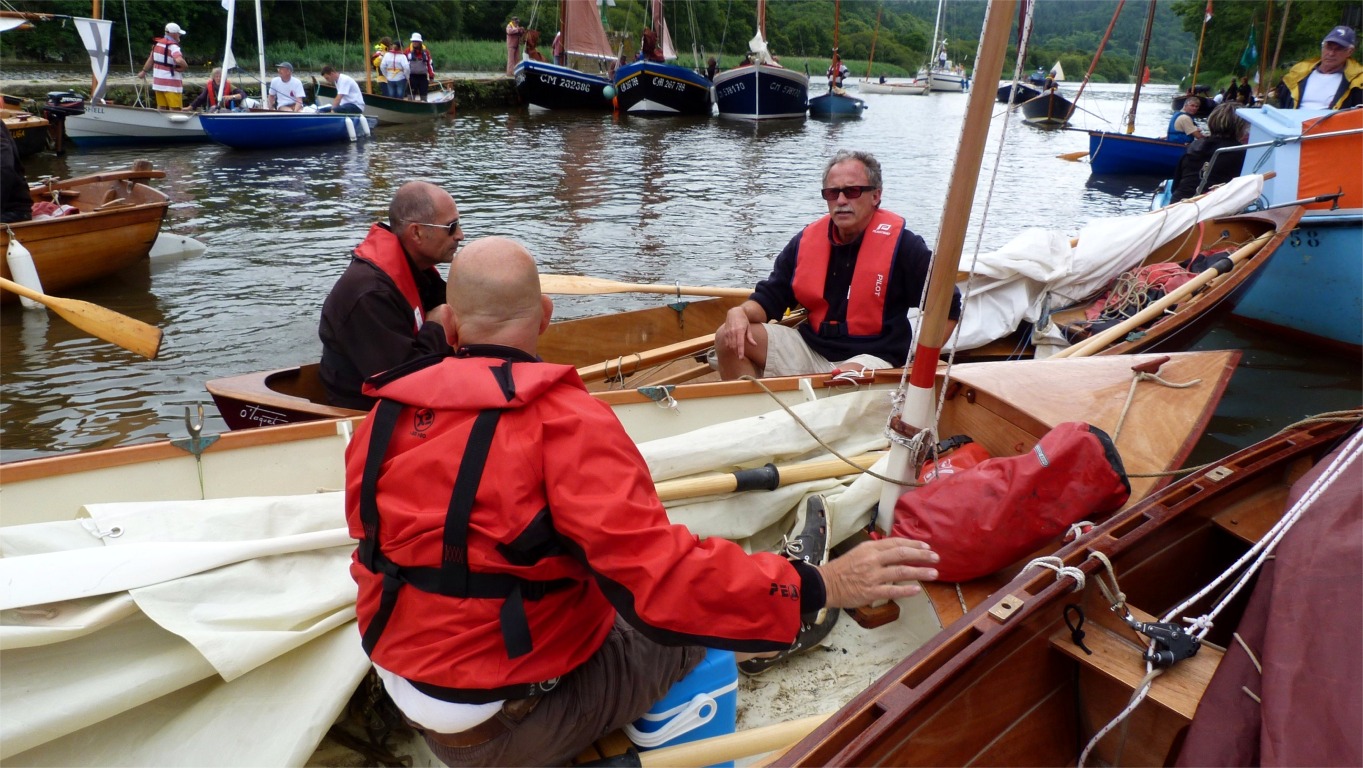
[560,564]
[1002,509]
[164,74]
[212,88]
[383,249]
[870,279]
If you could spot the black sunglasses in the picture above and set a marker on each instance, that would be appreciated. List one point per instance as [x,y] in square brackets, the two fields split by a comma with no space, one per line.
[451,227]
[851,193]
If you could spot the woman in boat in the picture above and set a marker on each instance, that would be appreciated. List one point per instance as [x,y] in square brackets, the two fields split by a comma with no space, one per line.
[232,96]
[1227,129]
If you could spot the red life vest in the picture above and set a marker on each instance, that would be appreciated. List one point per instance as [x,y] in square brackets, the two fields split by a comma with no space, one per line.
[870,279]
[213,91]
[382,249]
[165,77]
[424,57]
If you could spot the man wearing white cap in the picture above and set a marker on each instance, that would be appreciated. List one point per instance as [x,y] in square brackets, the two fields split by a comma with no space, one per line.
[167,65]
[286,93]
[1333,81]
[421,68]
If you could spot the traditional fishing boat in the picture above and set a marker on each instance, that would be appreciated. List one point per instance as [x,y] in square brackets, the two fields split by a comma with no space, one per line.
[555,86]
[1101,650]
[1314,287]
[647,87]
[1113,153]
[760,88]
[118,221]
[1050,108]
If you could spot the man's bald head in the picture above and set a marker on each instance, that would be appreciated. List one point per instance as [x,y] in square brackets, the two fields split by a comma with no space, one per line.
[494,291]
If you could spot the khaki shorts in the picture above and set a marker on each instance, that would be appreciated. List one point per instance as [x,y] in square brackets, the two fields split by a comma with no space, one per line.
[169,100]
[789,355]
[628,674]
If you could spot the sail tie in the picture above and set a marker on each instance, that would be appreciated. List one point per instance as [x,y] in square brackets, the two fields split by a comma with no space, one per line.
[1058,567]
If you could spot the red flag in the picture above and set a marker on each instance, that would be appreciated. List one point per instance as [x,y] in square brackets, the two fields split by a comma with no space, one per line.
[1146,77]
[1208,17]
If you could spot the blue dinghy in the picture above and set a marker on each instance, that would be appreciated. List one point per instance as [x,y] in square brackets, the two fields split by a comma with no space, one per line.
[270,130]
[834,104]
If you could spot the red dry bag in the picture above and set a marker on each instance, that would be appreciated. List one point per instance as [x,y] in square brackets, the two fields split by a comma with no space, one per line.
[1002,509]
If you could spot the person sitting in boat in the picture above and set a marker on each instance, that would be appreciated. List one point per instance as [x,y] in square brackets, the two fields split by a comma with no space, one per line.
[1050,83]
[649,50]
[882,79]
[556,48]
[349,97]
[858,271]
[16,204]
[389,307]
[532,46]
[285,91]
[1225,129]
[1333,81]
[232,96]
[566,604]
[420,68]
[837,72]
[166,64]
[1181,126]
[711,68]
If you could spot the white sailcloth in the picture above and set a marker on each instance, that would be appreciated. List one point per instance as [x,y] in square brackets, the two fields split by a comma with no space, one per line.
[94,33]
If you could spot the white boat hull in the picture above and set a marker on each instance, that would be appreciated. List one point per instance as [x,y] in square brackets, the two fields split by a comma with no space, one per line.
[111,124]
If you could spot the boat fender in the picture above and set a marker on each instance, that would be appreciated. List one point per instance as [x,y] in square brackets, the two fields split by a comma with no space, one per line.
[350,128]
[997,512]
[954,454]
[364,125]
[25,273]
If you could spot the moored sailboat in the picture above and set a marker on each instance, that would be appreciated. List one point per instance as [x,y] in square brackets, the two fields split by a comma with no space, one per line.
[760,88]
[836,103]
[555,86]
[654,87]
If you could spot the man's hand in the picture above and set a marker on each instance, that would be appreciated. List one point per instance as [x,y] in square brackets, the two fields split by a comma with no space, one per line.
[877,570]
[736,332]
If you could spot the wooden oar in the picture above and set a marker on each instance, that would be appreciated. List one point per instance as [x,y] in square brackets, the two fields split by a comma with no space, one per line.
[731,746]
[1074,156]
[767,477]
[132,335]
[583,286]
[1098,342]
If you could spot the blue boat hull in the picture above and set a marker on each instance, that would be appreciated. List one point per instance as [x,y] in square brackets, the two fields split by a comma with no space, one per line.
[270,130]
[1124,155]
[553,87]
[657,88]
[1314,283]
[835,105]
[761,92]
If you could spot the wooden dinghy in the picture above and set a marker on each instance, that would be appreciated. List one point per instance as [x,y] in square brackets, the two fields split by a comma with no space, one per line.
[118,222]
[1009,683]
[274,479]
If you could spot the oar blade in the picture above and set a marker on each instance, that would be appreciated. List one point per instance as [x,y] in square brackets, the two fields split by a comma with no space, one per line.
[1074,156]
[133,335]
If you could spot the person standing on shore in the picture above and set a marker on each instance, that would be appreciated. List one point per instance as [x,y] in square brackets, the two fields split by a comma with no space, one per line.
[514,33]
[167,65]
[420,66]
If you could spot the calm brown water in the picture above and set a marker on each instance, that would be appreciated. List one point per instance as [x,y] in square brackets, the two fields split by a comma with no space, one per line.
[700,202]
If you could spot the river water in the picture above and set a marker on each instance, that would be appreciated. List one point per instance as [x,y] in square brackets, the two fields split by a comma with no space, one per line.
[695,201]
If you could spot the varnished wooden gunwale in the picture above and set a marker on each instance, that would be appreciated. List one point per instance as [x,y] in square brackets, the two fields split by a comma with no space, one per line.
[907,716]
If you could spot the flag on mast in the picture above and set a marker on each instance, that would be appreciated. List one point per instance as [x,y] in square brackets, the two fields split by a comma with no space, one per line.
[1208,17]
[1250,58]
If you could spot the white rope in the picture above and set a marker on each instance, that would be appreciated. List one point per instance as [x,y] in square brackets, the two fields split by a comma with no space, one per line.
[1058,567]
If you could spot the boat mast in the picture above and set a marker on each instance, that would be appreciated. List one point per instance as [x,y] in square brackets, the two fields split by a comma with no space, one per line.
[936,25]
[260,44]
[917,408]
[1099,54]
[1140,68]
[1197,61]
[366,57]
[762,19]
[1282,32]
[870,61]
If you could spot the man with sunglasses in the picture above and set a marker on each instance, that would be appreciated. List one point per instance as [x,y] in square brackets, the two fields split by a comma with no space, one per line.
[389,306]
[857,271]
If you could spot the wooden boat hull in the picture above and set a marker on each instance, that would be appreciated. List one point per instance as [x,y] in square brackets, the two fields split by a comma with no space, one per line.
[1024,92]
[761,92]
[1122,155]
[101,240]
[836,105]
[551,86]
[117,125]
[659,89]
[28,131]
[1006,685]
[390,111]
[1189,320]
[272,130]
[1047,109]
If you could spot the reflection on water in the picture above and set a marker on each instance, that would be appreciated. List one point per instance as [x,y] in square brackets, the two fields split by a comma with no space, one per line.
[696,201]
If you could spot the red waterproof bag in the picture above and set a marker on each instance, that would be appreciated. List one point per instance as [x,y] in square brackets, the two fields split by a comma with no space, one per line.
[1001,510]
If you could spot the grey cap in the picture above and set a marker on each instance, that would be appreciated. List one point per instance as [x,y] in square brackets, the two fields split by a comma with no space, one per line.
[1343,35]
[284,65]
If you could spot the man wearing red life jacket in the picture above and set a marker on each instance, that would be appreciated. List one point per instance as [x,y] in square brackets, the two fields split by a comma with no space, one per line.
[857,271]
[389,307]
[167,66]
[521,591]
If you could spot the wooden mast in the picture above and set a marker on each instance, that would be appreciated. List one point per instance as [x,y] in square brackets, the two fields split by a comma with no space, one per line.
[1282,32]
[918,406]
[1197,61]
[368,58]
[1140,68]
[870,61]
[1097,55]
